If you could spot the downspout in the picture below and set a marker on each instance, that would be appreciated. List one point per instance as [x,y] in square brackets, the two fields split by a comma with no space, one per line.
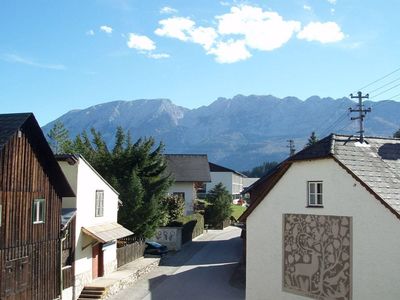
[63,238]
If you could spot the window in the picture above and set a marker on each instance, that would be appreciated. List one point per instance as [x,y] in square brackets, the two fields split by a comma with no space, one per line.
[38,211]
[99,203]
[315,193]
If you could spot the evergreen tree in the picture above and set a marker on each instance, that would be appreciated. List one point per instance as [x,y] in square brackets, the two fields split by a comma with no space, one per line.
[397,134]
[59,138]
[137,173]
[220,205]
[261,170]
[312,139]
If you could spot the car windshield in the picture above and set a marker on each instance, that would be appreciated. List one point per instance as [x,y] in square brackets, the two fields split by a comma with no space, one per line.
[154,244]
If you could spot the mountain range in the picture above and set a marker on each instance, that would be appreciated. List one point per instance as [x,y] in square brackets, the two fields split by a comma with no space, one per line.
[238,133]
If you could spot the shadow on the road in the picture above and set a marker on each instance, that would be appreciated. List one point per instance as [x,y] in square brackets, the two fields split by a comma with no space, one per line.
[184,256]
[205,282]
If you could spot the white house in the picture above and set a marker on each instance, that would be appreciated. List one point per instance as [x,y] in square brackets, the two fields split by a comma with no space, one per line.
[187,170]
[231,179]
[325,223]
[97,230]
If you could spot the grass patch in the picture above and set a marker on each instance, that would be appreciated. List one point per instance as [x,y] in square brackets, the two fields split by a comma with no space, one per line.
[237,210]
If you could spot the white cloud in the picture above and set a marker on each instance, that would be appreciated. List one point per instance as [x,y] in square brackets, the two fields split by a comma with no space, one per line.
[175,27]
[328,32]
[245,28]
[332,11]
[158,55]
[185,29]
[262,30]
[204,36]
[168,10]
[140,42]
[332,1]
[106,29]
[144,45]
[14,58]
[230,52]
[90,32]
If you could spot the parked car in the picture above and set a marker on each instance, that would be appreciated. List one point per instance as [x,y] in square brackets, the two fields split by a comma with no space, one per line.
[154,248]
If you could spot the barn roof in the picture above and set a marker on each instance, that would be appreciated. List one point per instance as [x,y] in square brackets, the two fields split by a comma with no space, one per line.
[11,124]
[374,163]
[188,167]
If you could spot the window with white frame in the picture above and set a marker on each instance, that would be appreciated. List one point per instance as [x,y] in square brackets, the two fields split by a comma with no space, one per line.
[99,209]
[38,211]
[315,193]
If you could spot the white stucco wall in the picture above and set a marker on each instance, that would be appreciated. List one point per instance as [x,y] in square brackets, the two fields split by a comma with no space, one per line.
[190,194]
[84,181]
[233,182]
[376,234]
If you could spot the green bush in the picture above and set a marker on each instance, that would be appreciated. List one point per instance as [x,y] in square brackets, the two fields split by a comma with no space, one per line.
[173,207]
[192,226]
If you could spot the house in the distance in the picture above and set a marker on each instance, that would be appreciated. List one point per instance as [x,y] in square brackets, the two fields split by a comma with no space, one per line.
[32,186]
[97,230]
[188,170]
[325,223]
[231,179]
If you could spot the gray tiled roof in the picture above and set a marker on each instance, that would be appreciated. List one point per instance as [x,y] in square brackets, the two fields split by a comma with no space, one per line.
[376,163]
[188,167]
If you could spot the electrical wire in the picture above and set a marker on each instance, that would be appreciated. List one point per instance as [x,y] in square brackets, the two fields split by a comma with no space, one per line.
[379,79]
[385,85]
[389,89]
[334,124]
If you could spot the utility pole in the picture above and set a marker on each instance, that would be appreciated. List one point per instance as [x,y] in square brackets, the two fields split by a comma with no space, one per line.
[361,112]
[291,147]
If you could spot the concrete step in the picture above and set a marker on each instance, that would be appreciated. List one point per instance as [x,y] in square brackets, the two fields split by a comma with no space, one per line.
[90,292]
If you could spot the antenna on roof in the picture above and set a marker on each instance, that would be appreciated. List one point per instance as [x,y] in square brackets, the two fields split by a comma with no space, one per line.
[361,112]
[292,149]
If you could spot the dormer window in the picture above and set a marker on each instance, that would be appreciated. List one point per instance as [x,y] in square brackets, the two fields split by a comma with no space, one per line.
[315,193]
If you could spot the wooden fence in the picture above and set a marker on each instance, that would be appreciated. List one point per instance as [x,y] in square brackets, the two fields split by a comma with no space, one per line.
[129,252]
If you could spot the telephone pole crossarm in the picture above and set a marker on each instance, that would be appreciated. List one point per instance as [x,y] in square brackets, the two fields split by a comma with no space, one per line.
[361,112]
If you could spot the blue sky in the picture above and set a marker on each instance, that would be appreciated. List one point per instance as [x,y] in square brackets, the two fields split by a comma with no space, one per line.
[56,56]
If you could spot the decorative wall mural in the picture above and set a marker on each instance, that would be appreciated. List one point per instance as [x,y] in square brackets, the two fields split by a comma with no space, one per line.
[317,257]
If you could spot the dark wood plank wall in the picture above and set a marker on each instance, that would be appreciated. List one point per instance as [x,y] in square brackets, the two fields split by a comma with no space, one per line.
[22,179]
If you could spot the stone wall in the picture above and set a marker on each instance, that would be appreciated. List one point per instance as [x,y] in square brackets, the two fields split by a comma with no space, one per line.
[170,237]
[81,280]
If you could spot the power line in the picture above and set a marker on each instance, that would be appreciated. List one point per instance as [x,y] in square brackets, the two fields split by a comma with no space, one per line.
[379,79]
[385,85]
[339,120]
[392,98]
[389,89]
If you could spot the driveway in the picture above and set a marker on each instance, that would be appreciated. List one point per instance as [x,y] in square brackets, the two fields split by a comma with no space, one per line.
[201,270]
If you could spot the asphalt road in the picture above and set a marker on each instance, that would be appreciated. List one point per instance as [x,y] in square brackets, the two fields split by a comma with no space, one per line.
[201,270]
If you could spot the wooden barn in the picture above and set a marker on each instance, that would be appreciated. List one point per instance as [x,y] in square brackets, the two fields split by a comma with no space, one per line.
[31,188]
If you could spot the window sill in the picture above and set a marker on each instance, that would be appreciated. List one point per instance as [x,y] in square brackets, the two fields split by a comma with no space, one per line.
[38,222]
[315,206]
